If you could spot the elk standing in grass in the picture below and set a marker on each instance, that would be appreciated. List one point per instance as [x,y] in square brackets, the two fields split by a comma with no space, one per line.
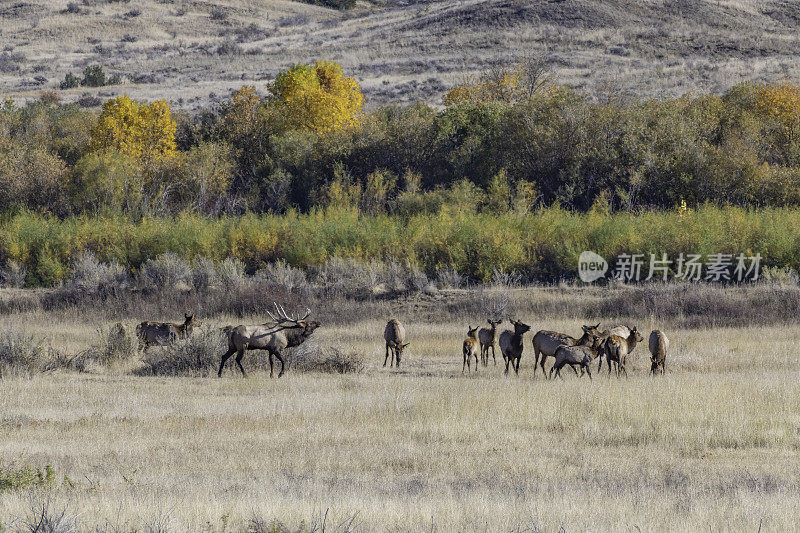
[619,331]
[283,332]
[511,344]
[545,344]
[164,333]
[658,351]
[580,355]
[395,336]
[471,349]
[488,339]
[618,348]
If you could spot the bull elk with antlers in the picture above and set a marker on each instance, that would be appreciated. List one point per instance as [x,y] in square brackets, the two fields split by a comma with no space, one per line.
[282,332]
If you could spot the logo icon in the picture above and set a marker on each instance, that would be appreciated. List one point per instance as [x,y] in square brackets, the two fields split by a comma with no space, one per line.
[591,267]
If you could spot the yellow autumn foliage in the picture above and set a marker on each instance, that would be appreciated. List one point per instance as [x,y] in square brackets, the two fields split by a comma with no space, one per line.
[318,97]
[145,132]
[782,103]
[495,86]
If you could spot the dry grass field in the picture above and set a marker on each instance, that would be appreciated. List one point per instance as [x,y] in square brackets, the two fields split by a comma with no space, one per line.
[713,445]
[192,53]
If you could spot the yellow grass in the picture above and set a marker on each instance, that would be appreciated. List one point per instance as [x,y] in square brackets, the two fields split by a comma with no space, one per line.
[714,444]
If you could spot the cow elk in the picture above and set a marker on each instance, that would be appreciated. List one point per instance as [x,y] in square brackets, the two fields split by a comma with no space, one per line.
[488,339]
[619,331]
[395,336]
[658,352]
[511,344]
[618,348]
[275,336]
[164,333]
[470,349]
[545,344]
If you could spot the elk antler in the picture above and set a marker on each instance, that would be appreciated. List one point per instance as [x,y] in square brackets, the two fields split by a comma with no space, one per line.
[283,316]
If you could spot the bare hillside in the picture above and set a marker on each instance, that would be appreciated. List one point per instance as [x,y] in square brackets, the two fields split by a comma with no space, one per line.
[194,52]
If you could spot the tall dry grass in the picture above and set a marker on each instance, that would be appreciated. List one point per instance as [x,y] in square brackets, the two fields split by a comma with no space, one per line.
[711,445]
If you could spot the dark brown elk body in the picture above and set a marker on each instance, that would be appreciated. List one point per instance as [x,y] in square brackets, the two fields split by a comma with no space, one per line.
[511,344]
[658,352]
[488,339]
[470,349]
[164,333]
[545,344]
[617,349]
[272,336]
[580,355]
[395,336]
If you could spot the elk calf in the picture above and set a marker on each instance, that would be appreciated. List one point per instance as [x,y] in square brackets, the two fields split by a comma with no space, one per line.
[470,349]
[511,344]
[488,339]
[617,349]
[395,336]
[658,351]
[580,355]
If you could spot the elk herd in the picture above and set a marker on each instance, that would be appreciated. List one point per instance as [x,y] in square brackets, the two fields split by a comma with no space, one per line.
[284,331]
[614,344]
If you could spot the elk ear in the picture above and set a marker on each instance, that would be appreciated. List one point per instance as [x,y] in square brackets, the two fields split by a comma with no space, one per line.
[186,316]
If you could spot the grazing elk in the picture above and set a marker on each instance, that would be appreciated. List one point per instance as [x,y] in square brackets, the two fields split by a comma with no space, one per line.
[545,344]
[580,354]
[488,339]
[617,348]
[395,336]
[511,344]
[164,333]
[275,336]
[471,349]
[658,351]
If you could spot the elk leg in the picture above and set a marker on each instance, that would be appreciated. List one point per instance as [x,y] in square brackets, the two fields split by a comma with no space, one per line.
[541,363]
[476,362]
[587,371]
[464,364]
[271,362]
[516,368]
[573,369]
[280,358]
[494,356]
[536,361]
[387,354]
[227,355]
[508,360]
[239,357]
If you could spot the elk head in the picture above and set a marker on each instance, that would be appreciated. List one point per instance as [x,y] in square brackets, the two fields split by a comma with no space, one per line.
[520,327]
[399,351]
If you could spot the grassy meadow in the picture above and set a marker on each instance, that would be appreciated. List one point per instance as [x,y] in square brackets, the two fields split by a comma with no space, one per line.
[712,445]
